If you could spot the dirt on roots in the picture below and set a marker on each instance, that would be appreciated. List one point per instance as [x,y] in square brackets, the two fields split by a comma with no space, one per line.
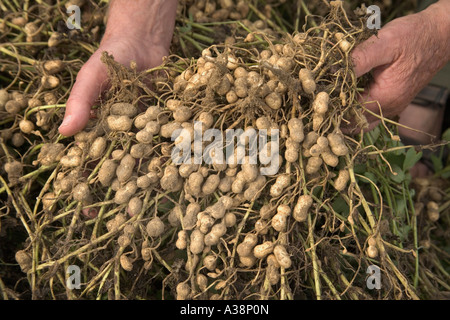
[114,201]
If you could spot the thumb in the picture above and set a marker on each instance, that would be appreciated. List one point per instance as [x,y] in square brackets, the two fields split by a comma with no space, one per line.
[90,82]
[374,52]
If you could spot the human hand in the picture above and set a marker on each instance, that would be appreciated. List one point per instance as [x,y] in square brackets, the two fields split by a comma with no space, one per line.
[404,57]
[138,30]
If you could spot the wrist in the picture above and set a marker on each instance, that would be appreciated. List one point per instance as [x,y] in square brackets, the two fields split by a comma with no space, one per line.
[438,12]
[150,22]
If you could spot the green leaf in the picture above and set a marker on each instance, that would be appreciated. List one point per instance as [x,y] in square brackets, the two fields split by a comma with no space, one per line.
[411,158]
[401,206]
[375,134]
[437,163]
[445,173]
[403,232]
[370,176]
[446,135]
[340,206]
[360,168]
[395,159]
[398,175]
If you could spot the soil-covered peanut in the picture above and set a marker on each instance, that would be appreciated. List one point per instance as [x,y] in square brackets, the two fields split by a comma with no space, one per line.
[107,172]
[4,98]
[53,66]
[171,180]
[24,260]
[433,211]
[254,188]
[50,82]
[181,242]
[250,171]
[173,104]
[273,100]
[229,219]
[337,144]
[134,206]
[217,231]
[119,123]
[14,170]
[152,127]
[341,181]
[123,240]
[210,262]
[344,45]
[125,169]
[48,200]
[207,119]
[97,148]
[70,161]
[307,80]
[218,209]
[245,248]
[267,211]
[175,216]
[144,137]
[310,139]
[313,165]
[262,226]
[196,242]
[262,250]
[123,109]
[124,193]
[182,114]
[296,133]
[300,212]
[329,158]
[205,222]
[225,184]
[13,107]
[239,183]
[263,123]
[81,192]
[282,256]
[183,291]
[155,227]
[17,140]
[195,182]
[186,169]
[190,217]
[281,182]
[50,153]
[272,270]
[247,261]
[372,251]
[168,129]
[210,185]
[317,121]
[26,126]
[140,150]
[279,221]
[320,103]
[291,153]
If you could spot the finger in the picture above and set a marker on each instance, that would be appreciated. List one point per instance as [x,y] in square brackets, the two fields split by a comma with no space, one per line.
[376,51]
[91,80]
[383,96]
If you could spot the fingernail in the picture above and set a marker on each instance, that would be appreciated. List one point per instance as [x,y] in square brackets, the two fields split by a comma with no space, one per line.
[66,121]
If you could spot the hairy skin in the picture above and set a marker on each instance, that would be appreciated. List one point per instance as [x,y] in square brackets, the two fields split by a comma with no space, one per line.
[403,58]
[139,30]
